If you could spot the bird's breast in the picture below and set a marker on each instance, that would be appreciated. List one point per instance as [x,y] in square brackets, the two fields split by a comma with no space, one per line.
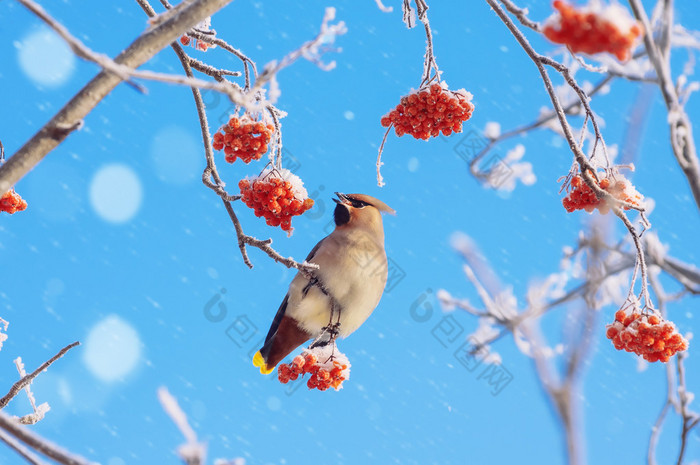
[354,270]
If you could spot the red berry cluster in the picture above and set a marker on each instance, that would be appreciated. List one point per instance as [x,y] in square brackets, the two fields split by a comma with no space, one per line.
[243,138]
[650,336]
[321,378]
[198,44]
[276,195]
[593,29]
[431,110]
[582,197]
[11,202]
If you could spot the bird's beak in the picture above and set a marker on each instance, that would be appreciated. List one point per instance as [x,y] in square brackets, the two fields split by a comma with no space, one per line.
[342,199]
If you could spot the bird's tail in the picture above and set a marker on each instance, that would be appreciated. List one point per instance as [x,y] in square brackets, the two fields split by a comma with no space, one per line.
[259,361]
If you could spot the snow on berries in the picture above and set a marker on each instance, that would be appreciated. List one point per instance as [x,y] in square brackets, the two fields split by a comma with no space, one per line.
[276,194]
[327,366]
[429,111]
[11,202]
[595,28]
[243,138]
[650,336]
[581,197]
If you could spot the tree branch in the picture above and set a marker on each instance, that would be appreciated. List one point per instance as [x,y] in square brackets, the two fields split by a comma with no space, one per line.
[169,27]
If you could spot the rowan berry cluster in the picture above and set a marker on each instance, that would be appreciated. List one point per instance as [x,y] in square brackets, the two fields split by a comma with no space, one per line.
[430,111]
[582,197]
[11,202]
[278,195]
[243,138]
[650,336]
[593,29]
[324,374]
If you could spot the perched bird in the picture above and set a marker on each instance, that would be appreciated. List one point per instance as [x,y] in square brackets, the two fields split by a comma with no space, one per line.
[346,288]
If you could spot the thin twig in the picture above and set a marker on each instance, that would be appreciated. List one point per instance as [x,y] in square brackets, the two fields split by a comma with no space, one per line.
[26,380]
[380,179]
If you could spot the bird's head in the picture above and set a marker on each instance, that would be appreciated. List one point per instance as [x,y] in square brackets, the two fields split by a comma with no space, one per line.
[359,210]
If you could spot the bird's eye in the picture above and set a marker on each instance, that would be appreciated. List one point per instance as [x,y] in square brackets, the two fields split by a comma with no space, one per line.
[359,204]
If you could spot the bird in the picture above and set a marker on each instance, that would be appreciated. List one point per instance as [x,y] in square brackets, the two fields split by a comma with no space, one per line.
[343,292]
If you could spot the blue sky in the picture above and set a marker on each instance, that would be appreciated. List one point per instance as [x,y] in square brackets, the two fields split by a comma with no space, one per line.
[146,252]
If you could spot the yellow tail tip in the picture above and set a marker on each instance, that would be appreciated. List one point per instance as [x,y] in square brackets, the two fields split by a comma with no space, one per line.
[259,362]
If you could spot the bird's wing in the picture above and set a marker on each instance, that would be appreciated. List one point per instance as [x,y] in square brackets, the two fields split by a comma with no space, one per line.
[315,249]
[278,317]
[283,306]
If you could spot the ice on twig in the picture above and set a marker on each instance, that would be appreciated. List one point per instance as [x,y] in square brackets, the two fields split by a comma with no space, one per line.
[38,412]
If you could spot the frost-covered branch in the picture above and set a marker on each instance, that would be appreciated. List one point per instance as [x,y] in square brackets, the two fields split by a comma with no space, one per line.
[26,380]
[682,139]
[587,170]
[211,177]
[248,64]
[70,117]
[591,276]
